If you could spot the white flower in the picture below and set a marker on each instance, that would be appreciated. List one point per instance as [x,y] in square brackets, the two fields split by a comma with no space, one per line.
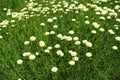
[47,51]
[84,41]
[47,33]
[4,9]
[108,17]
[75,38]
[93,31]
[12,21]
[72,62]
[1,36]
[89,54]
[104,1]
[116,26]
[68,38]
[55,26]
[37,53]
[49,47]
[117,7]
[59,36]
[54,69]
[88,44]
[102,29]
[26,42]
[26,54]
[75,58]
[54,18]
[32,57]
[118,20]
[86,17]
[77,42]
[117,38]
[113,14]
[19,79]
[97,13]
[102,18]
[60,53]
[111,31]
[41,43]
[95,24]
[42,24]
[70,51]
[73,20]
[87,22]
[19,61]
[73,53]
[32,38]
[50,20]
[71,32]
[57,46]
[64,37]
[52,32]
[115,47]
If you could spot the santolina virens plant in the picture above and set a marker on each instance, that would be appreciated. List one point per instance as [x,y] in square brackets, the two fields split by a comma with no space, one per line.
[63,37]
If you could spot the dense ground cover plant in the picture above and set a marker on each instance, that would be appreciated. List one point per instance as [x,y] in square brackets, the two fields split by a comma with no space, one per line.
[59,40]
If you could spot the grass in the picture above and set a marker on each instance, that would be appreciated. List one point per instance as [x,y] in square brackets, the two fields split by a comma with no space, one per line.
[103,65]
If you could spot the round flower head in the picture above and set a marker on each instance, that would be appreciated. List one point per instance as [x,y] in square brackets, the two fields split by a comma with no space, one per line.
[87,22]
[42,24]
[68,38]
[41,43]
[75,38]
[111,31]
[102,18]
[75,58]
[73,20]
[71,32]
[73,53]
[96,25]
[32,57]
[117,38]
[86,17]
[26,54]
[64,37]
[88,44]
[102,29]
[50,20]
[47,51]
[32,38]
[97,13]
[60,53]
[77,42]
[57,46]
[54,18]
[115,47]
[37,53]
[47,33]
[26,42]
[59,36]
[19,61]
[84,41]
[49,47]
[70,51]
[55,26]
[93,32]
[54,69]
[19,79]
[1,36]
[52,32]
[72,62]
[89,54]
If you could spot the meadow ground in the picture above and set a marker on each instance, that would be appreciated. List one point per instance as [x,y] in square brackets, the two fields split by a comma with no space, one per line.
[59,40]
